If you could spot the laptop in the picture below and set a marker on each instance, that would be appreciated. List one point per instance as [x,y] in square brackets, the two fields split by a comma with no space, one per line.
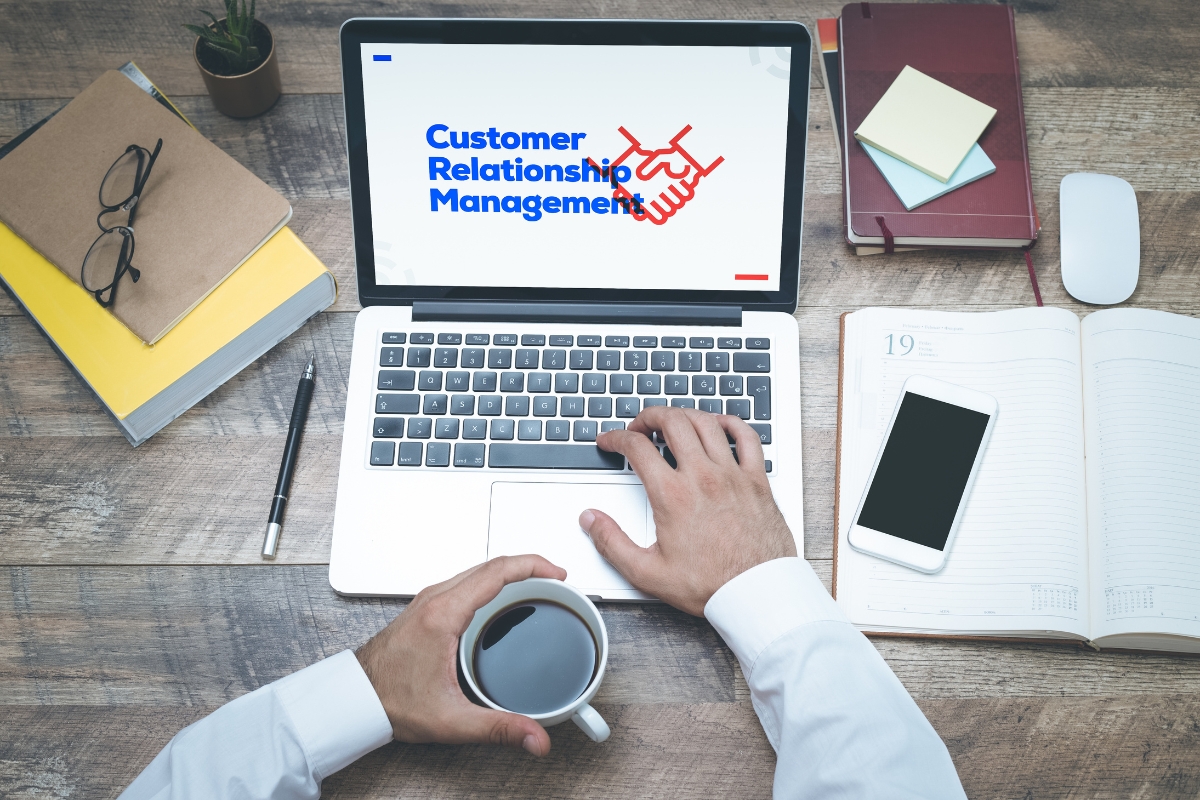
[558,224]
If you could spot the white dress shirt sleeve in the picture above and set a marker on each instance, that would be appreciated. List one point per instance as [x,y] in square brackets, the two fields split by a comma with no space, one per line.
[280,741]
[841,723]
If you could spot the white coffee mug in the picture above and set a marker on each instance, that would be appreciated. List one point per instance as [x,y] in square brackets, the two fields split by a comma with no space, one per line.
[578,710]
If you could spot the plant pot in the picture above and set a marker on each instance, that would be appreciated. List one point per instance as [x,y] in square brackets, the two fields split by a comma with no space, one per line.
[251,93]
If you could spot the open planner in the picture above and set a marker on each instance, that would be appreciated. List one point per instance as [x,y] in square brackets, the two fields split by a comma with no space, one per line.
[1084,521]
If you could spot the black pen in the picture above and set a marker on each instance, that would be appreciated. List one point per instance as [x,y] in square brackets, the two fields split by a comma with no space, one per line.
[304,394]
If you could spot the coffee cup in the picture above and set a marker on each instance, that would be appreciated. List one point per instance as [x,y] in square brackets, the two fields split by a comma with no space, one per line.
[514,613]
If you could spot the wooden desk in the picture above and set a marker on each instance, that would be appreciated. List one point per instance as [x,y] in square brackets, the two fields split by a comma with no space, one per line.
[138,602]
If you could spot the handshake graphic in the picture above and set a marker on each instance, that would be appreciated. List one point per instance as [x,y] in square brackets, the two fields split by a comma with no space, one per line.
[671,165]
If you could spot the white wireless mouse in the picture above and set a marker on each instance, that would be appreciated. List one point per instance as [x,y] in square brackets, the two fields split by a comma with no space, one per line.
[1100,237]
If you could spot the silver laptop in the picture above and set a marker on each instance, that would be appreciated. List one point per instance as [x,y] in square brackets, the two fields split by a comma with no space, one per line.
[558,224]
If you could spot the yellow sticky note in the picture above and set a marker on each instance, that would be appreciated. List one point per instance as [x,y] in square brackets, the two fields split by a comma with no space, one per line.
[925,123]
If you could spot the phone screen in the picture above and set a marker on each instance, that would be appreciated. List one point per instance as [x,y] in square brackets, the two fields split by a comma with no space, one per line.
[923,470]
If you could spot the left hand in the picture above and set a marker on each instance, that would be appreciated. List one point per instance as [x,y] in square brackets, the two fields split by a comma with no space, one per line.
[412,663]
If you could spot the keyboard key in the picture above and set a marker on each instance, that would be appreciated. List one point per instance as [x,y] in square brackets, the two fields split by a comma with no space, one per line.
[395,338]
[635,360]
[474,428]
[462,405]
[654,401]
[594,383]
[763,430]
[675,384]
[422,338]
[608,359]
[468,455]
[599,407]
[571,407]
[645,341]
[700,342]
[445,357]
[419,356]
[669,457]
[499,359]
[383,454]
[620,384]
[530,430]
[410,454]
[716,362]
[585,430]
[527,359]
[490,405]
[690,362]
[566,382]
[554,359]
[581,359]
[397,380]
[449,338]
[437,454]
[478,338]
[483,382]
[388,428]
[615,425]
[758,344]
[731,385]
[532,340]
[649,384]
[704,384]
[683,402]
[729,343]
[458,381]
[503,429]
[419,427]
[391,357]
[429,381]
[751,362]
[738,408]
[562,341]
[472,357]
[760,389]
[508,339]
[397,403]
[616,341]
[516,406]
[446,429]
[538,383]
[553,456]
[767,464]
[589,341]
[512,381]
[710,404]
[435,404]
[558,430]
[545,406]
[662,361]
[629,406]
[674,342]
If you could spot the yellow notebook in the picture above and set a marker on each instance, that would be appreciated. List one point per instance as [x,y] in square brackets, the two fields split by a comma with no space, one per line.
[925,123]
[145,386]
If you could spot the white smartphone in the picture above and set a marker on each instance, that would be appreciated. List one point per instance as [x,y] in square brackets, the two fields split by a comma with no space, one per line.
[923,474]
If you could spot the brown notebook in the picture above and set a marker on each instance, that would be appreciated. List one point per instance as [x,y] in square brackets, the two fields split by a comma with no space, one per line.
[200,216]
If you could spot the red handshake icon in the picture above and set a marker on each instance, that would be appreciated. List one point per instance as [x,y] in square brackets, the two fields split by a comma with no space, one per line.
[675,163]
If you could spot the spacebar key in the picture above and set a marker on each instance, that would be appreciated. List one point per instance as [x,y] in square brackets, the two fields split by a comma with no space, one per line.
[553,456]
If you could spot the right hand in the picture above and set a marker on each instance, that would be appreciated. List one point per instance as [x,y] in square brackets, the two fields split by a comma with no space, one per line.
[715,517]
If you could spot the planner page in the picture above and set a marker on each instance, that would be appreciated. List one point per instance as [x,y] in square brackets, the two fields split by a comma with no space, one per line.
[1019,563]
[1142,417]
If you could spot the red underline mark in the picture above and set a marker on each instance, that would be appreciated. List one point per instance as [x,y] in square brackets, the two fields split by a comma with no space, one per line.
[751,277]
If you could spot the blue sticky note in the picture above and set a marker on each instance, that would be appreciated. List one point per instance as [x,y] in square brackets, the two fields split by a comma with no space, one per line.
[914,187]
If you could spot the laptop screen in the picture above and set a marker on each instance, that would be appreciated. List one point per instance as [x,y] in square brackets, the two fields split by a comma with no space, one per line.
[611,167]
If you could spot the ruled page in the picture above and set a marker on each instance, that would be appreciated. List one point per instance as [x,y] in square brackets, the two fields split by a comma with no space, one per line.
[1142,420]
[1019,562]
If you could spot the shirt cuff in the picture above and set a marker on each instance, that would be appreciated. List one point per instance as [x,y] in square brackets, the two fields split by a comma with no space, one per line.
[765,602]
[337,714]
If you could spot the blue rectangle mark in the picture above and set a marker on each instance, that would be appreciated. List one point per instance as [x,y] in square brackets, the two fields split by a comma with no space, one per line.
[383,58]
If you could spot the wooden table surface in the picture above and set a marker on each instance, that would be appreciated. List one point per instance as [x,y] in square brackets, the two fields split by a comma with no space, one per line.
[138,602]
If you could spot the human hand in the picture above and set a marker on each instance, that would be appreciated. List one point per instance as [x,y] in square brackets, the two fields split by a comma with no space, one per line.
[715,517]
[412,663]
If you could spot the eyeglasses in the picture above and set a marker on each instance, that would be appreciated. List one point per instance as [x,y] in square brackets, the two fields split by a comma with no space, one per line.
[110,257]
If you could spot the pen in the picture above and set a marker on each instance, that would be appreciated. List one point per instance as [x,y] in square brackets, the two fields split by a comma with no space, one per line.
[304,394]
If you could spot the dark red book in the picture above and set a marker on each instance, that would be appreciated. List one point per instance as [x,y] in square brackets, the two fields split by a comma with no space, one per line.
[972,48]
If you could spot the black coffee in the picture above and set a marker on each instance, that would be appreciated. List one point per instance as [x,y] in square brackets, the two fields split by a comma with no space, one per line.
[534,657]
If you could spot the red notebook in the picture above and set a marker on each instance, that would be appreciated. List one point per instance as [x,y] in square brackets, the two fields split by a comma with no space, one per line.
[972,48]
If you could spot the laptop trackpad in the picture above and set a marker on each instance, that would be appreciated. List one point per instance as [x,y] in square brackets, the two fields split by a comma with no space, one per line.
[543,518]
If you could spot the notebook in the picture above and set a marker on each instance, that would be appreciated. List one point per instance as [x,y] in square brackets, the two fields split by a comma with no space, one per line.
[972,48]
[827,35]
[201,215]
[915,188]
[1083,522]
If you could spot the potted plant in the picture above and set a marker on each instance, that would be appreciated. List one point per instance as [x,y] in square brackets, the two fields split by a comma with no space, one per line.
[236,57]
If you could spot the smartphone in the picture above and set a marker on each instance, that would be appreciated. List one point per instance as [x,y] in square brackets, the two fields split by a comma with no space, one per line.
[924,472]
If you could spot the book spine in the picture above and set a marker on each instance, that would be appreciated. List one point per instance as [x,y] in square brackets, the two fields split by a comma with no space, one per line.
[1034,223]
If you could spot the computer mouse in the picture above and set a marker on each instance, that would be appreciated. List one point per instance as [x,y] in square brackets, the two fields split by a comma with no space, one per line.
[1100,237]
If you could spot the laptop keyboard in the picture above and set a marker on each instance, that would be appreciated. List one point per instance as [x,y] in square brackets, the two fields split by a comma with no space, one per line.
[532,401]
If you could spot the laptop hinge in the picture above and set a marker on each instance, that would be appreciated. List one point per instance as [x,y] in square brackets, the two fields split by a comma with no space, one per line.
[631,313]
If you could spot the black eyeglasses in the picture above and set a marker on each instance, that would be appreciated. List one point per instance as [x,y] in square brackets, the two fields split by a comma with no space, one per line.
[110,257]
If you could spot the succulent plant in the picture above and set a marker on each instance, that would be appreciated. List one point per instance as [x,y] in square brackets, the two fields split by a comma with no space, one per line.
[232,38]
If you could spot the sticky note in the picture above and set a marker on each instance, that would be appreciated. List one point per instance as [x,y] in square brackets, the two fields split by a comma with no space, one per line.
[914,187]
